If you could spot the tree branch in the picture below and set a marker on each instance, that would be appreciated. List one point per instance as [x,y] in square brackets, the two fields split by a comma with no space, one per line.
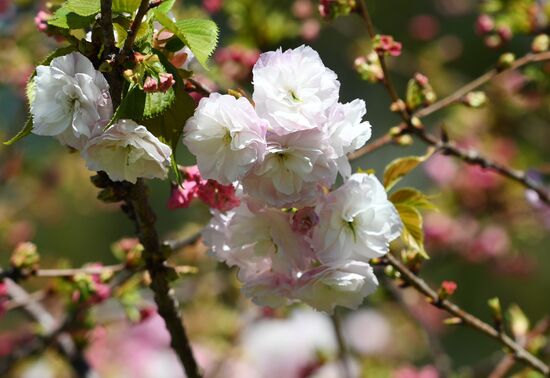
[142,214]
[517,351]
[342,347]
[132,32]
[478,82]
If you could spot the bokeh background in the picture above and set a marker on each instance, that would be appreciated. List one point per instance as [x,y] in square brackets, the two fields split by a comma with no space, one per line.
[487,236]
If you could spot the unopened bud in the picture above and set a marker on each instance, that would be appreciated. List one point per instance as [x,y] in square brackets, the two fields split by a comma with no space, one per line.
[496,310]
[505,61]
[330,9]
[541,43]
[398,106]
[452,321]
[475,99]
[484,24]
[519,323]
[446,289]
[385,44]
[404,140]
[25,258]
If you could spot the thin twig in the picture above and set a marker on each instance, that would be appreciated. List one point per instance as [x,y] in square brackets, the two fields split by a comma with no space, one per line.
[84,270]
[517,351]
[442,361]
[132,32]
[508,362]
[182,243]
[478,82]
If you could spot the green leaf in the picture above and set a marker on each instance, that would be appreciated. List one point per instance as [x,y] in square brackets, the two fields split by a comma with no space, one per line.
[128,6]
[400,167]
[165,6]
[412,235]
[84,7]
[65,18]
[30,91]
[412,197]
[201,36]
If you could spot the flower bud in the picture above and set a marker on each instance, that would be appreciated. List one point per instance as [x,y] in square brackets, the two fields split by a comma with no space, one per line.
[484,24]
[496,310]
[128,250]
[519,323]
[330,9]
[419,92]
[505,61]
[404,140]
[475,99]
[541,43]
[385,44]
[25,258]
[447,289]
[304,220]
[369,68]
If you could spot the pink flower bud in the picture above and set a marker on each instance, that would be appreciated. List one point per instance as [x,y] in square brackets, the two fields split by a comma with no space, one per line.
[41,20]
[181,196]
[212,6]
[387,45]
[218,196]
[304,220]
[449,287]
[150,85]
[166,81]
[484,24]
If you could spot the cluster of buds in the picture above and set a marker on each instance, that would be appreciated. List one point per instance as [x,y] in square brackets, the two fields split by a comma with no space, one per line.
[369,67]
[419,92]
[128,250]
[494,35]
[149,74]
[91,288]
[385,44]
[330,9]
[25,259]
[215,195]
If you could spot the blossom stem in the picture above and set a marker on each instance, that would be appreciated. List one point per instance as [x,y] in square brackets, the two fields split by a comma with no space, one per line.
[144,217]
[518,352]
[342,347]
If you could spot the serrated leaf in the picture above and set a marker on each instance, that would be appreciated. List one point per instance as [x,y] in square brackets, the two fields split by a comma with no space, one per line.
[30,92]
[412,235]
[201,36]
[84,7]
[412,197]
[128,6]
[65,18]
[398,168]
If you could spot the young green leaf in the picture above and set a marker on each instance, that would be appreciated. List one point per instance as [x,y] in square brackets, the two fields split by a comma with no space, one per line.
[127,6]
[84,7]
[201,36]
[412,235]
[65,18]
[400,167]
[412,197]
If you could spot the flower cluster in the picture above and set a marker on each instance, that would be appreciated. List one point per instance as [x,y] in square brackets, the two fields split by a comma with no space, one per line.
[71,102]
[290,237]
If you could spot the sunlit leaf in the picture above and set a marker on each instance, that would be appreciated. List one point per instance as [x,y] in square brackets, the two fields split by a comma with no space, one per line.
[84,7]
[412,235]
[400,167]
[412,197]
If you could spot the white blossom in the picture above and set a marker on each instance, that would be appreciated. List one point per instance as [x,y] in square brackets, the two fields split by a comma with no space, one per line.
[127,151]
[71,100]
[357,221]
[293,89]
[227,137]
[296,168]
[346,132]
[344,285]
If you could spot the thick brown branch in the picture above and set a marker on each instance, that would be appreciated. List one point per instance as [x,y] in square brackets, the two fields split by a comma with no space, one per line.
[107,27]
[519,353]
[144,217]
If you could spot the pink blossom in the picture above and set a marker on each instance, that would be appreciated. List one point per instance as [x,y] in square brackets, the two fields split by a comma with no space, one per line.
[218,196]
[41,20]
[387,45]
[441,169]
[164,82]
[424,27]
[304,220]
[413,372]
[182,195]
[484,24]
[212,6]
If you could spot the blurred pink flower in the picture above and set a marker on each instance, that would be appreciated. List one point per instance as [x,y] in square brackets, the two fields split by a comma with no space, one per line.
[428,371]
[310,29]
[493,241]
[212,6]
[424,27]
[441,169]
